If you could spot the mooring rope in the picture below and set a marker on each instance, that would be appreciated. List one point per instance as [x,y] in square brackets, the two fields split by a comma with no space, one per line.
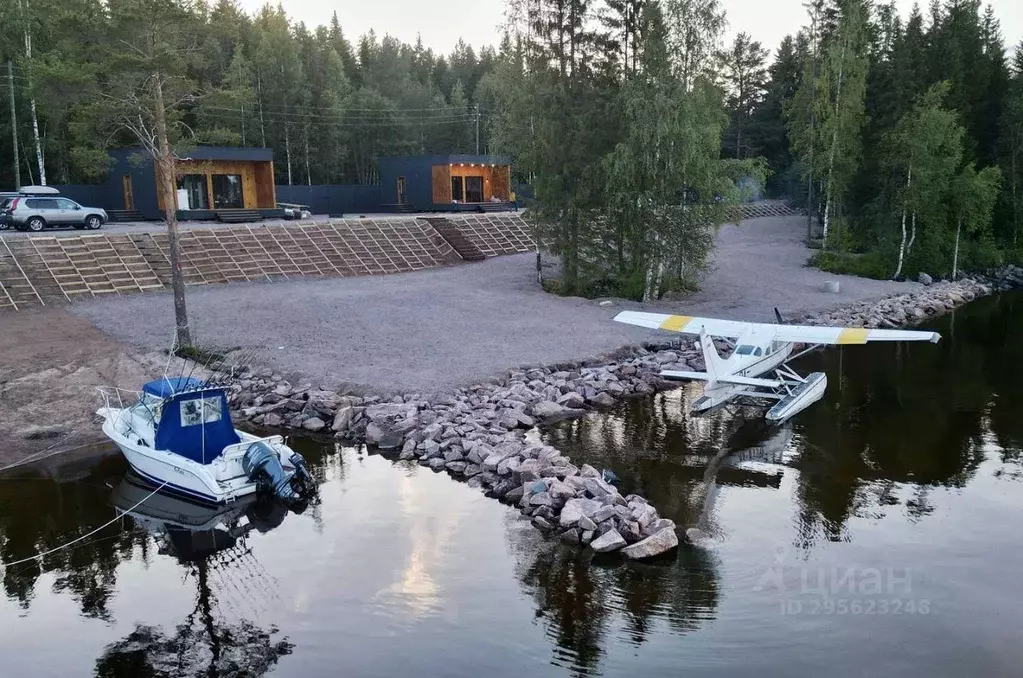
[40,556]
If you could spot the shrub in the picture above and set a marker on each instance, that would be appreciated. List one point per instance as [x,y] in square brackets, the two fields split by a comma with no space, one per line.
[867,265]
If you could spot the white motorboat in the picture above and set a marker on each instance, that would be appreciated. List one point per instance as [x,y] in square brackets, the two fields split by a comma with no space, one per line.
[179,436]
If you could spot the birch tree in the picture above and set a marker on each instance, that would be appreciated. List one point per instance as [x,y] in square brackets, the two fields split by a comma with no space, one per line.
[973,197]
[924,151]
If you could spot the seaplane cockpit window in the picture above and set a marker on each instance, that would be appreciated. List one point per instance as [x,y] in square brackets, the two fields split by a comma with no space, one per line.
[744,350]
[759,352]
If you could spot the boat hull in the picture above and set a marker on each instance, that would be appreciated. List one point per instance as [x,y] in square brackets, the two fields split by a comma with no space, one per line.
[173,477]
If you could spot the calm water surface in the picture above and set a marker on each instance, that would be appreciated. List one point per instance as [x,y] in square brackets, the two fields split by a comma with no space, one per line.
[877,535]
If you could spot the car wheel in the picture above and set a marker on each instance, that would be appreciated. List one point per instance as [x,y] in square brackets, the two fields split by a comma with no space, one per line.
[93,222]
[35,224]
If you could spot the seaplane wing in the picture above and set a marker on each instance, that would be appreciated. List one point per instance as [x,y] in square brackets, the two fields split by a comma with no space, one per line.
[796,334]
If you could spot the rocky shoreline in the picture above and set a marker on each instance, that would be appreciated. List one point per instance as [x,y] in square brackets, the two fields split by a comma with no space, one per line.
[479,433]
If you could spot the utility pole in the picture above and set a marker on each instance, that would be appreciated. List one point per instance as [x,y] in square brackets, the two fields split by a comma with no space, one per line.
[477,129]
[14,126]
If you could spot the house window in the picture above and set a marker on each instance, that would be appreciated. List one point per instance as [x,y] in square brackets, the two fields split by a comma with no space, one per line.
[227,191]
[195,185]
[457,190]
[474,189]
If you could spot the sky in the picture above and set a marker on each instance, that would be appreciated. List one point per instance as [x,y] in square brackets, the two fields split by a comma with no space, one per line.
[478,21]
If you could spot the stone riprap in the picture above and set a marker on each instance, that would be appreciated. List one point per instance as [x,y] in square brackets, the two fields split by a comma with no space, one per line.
[478,433]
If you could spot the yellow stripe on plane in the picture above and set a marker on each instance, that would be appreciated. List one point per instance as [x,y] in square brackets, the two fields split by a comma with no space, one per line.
[853,335]
[676,323]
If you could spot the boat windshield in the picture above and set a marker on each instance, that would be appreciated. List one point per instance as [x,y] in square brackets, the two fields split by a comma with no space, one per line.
[149,407]
[745,349]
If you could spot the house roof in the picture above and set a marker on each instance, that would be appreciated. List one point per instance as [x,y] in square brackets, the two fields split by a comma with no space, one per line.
[208,153]
[447,160]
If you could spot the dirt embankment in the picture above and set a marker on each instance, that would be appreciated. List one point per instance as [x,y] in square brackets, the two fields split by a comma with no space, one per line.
[50,365]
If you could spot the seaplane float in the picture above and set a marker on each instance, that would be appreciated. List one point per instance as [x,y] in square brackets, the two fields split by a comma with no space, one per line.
[179,437]
[760,349]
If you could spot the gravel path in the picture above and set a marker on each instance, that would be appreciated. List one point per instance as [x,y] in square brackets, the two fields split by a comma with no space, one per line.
[437,329]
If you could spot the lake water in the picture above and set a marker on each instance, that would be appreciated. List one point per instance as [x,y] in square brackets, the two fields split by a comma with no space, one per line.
[878,534]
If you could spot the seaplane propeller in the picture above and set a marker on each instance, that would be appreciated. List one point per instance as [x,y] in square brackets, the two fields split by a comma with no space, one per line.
[761,349]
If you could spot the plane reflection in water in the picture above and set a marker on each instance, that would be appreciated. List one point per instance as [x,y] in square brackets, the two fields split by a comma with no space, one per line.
[209,543]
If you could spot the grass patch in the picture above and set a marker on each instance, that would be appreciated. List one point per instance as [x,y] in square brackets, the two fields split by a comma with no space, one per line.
[867,265]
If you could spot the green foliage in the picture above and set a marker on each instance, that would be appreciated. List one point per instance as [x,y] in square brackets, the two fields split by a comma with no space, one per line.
[865,265]
[233,78]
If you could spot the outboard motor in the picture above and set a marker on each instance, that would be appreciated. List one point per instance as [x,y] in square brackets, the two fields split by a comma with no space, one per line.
[302,481]
[262,465]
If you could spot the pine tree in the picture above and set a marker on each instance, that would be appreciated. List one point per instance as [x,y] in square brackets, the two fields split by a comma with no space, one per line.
[745,76]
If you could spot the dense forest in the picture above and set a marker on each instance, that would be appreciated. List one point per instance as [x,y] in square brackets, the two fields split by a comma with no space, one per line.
[327,106]
[634,122]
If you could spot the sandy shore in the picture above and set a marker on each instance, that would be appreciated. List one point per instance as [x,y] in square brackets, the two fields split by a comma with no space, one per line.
[427,331]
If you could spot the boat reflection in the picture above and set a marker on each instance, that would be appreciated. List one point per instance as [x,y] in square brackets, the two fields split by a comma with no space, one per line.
[218,637]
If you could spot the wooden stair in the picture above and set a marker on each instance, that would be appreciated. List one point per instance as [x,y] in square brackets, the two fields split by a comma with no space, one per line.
[239,216]
[451,233]
[16,289]
[125,215]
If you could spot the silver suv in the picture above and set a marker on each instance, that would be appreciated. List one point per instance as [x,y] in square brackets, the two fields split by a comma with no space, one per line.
[34,213]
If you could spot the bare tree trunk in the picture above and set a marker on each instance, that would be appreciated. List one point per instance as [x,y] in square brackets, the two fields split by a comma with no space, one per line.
[287,148]
[955,255]
[1016,204]
[14,127]
[905,209]
[40,162]
[262,126]
[308,174]
[166,163]
[912,234]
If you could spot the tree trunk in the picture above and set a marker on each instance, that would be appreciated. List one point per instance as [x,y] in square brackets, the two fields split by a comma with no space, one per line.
[40,162]
[166,163]
[259,95]
[955,255]
[287,148]
[912,234]
[308,173]
[827,217]
[14,126]
[905,209]
[1016,205]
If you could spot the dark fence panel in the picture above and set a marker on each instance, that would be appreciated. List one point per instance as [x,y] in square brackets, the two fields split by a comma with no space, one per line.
[342,199]
[89,195]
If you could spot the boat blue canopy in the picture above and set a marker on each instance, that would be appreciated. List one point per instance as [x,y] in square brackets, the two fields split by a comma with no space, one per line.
[197,425]
[168,386]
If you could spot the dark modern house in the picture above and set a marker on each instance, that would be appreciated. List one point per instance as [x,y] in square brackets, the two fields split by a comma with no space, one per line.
[446,182]
[235,184]
[211,182]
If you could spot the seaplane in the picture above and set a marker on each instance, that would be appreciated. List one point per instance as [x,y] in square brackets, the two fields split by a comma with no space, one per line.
[760,349]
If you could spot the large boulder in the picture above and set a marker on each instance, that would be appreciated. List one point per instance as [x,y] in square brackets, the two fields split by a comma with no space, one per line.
[547,410]
[609,541]
[572,400]
[343,419]
[576,509]
[656,544]
[383,436]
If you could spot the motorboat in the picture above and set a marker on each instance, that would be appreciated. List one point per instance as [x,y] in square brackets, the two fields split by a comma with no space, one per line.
[178,436]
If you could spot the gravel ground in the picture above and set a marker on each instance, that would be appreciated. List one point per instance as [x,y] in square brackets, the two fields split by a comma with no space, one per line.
[433,330]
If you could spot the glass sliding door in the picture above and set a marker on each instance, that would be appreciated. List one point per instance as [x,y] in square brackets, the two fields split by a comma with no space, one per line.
[194,186]
[457,192]
[227,191]
[474,189]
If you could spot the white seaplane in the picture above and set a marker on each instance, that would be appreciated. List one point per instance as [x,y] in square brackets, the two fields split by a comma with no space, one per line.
[760,349]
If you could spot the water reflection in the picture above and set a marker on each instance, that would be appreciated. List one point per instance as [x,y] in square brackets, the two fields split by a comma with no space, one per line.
[210,544]
[37,514]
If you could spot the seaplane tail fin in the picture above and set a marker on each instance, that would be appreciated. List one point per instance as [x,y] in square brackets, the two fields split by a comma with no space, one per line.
[712,361]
